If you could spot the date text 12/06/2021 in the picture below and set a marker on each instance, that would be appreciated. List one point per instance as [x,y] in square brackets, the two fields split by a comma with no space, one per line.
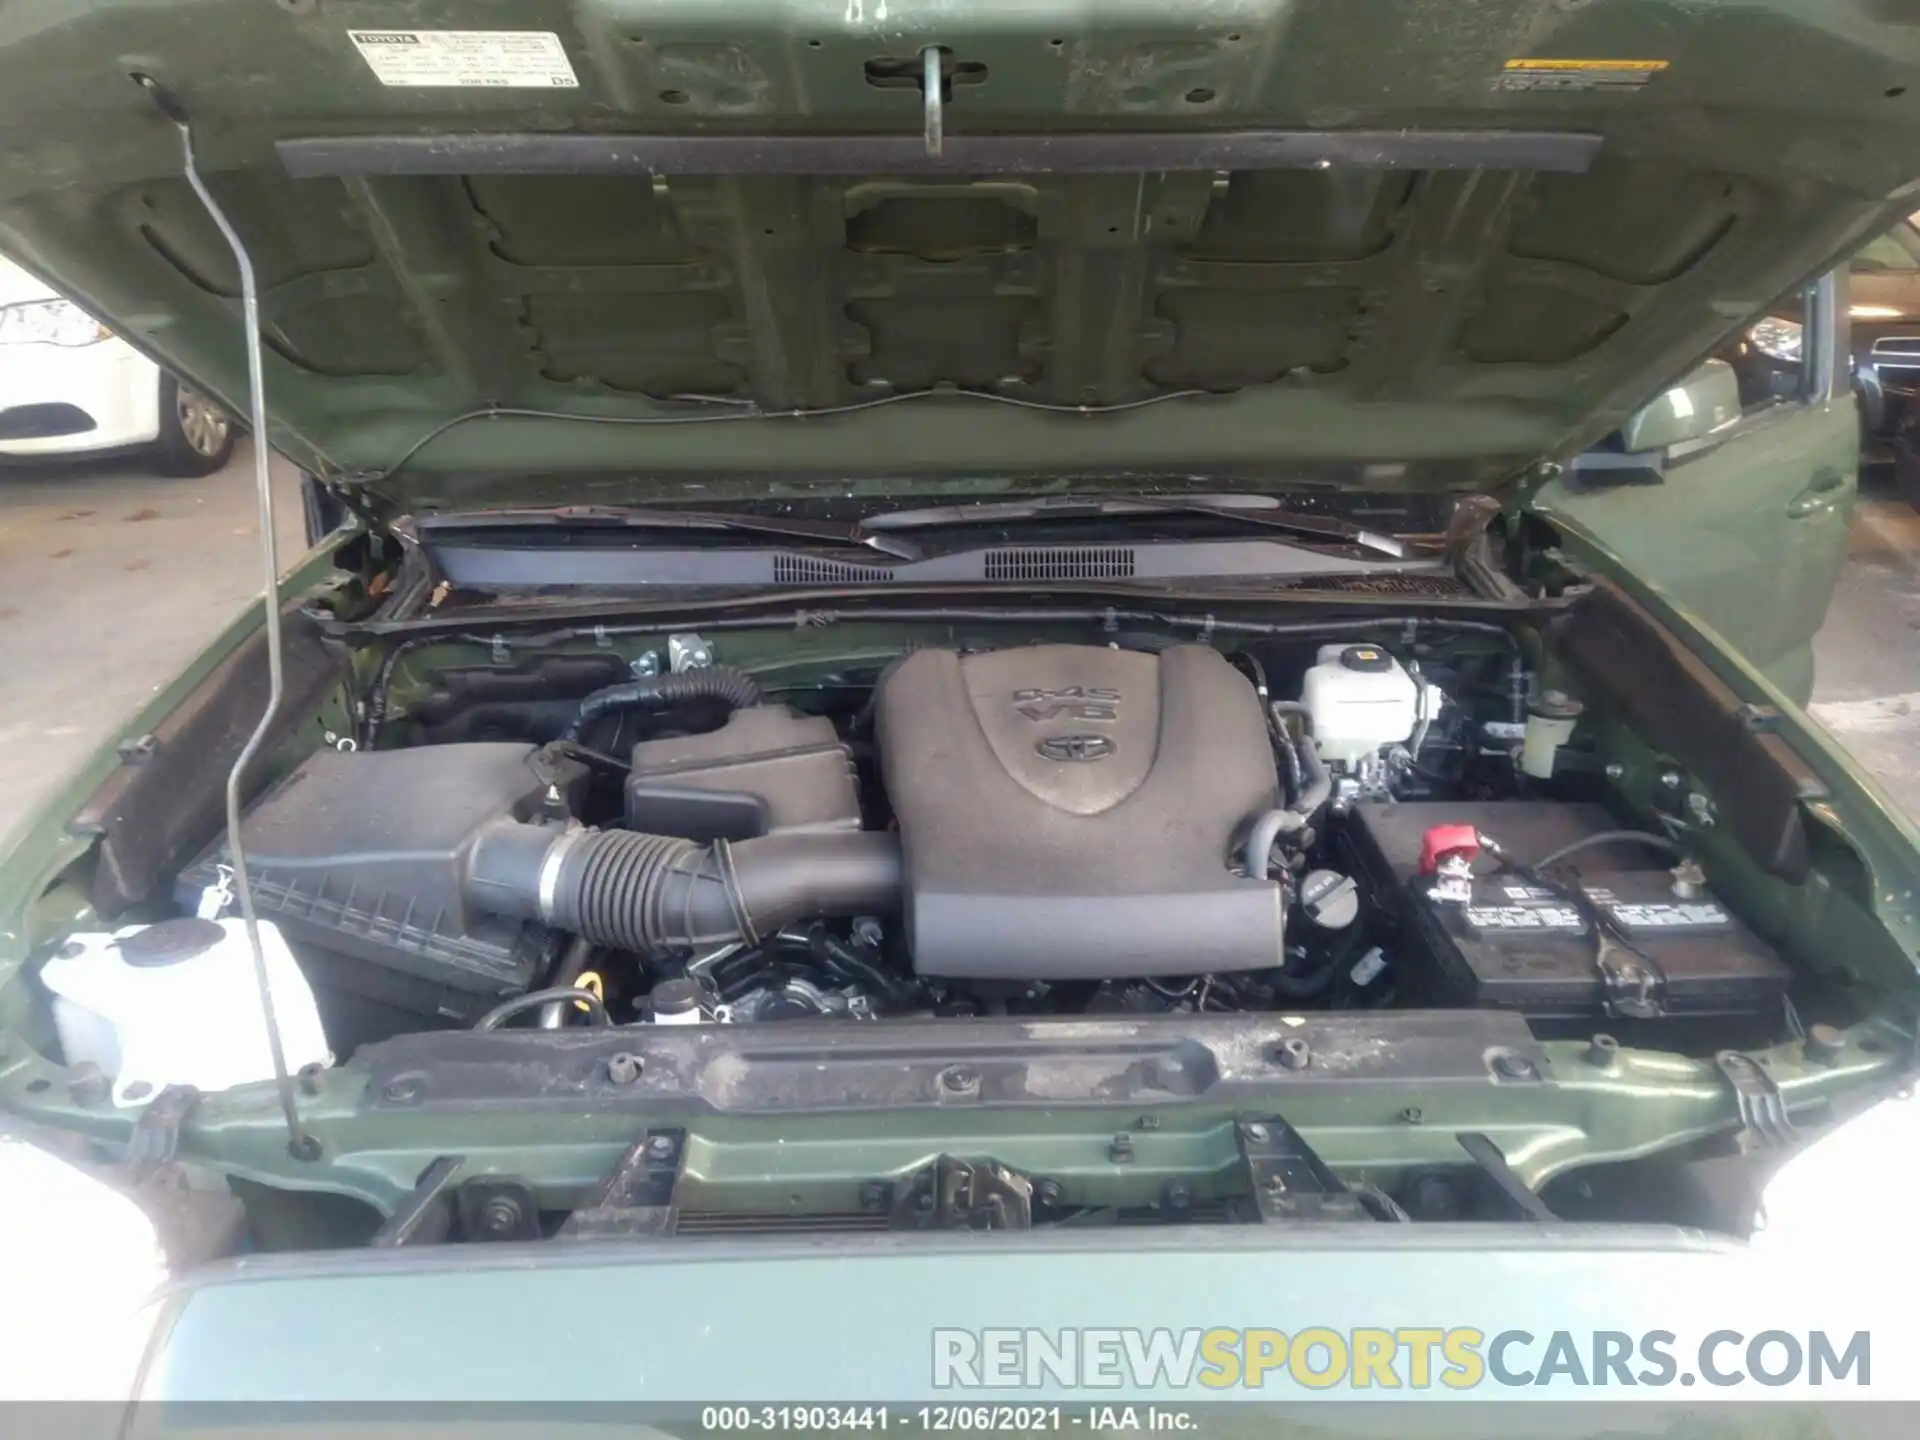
[946,1419]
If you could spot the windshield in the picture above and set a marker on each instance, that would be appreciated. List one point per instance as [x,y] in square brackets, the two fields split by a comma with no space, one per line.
[1899,249]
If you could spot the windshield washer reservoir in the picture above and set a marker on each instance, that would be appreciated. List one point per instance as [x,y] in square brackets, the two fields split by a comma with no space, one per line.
[175,1004]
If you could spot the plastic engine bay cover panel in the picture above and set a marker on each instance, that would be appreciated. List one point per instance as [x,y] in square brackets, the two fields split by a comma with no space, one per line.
[1072,812]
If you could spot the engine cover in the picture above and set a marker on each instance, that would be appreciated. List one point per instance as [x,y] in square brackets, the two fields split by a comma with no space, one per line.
[1071,812]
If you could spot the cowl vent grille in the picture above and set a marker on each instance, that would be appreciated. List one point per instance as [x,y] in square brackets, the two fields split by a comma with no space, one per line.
[1420,584]
[812,570]
[1103,563]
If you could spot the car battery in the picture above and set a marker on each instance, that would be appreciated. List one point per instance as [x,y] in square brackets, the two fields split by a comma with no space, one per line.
[1514,944]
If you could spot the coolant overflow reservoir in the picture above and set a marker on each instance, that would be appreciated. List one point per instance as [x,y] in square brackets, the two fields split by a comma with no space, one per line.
[1361,700]
[175,1003]
[1551,718]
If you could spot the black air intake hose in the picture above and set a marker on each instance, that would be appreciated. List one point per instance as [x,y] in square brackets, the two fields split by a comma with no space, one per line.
[657,895]
[734,688]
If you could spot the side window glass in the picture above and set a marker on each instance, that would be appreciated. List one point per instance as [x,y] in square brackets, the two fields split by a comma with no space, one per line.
[1772,360]
[1881,254]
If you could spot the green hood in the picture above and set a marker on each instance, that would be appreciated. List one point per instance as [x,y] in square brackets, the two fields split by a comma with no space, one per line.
[1340,241]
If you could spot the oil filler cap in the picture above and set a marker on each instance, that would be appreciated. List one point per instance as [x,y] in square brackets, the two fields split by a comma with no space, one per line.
[1367,659]
[1329,899]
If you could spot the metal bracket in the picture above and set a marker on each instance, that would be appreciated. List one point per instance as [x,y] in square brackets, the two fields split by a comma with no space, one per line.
[1632,984]
[137,748]
[638,1197]
[1756,1094]
[424,1217]
[156,1134]
[1291,1182]
[1631,989]
[1511,1189]
[688,651]
[930,85]
[956,1194]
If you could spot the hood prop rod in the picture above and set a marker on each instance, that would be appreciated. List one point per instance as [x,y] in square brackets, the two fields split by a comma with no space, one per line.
[300,1144]
[932,99]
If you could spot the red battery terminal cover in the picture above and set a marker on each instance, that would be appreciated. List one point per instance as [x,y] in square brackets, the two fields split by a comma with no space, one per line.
[1444,840]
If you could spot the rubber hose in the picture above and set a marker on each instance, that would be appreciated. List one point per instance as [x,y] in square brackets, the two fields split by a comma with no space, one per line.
[835,955]
[1423,708]
[1283,738]
[534,999]
[660,895]
[1312,983]
[1305,987]
[572,963]
[1275,823]
[734,688]
[1319,779]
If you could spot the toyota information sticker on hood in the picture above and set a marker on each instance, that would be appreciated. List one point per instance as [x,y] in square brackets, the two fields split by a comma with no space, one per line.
[1577,74]
[492,58]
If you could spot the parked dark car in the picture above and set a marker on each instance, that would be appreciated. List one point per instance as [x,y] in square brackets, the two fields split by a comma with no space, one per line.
[1883,289]
[1885,283]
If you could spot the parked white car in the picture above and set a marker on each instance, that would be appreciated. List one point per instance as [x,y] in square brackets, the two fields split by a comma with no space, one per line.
[69,386]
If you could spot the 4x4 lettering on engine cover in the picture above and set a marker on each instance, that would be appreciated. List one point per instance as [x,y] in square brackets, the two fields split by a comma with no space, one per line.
[1077,702]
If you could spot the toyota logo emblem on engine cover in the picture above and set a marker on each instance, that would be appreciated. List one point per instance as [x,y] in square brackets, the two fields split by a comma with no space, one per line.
[1080,748]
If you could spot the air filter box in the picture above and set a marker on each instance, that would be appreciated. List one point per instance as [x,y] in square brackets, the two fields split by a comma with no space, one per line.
[357,858]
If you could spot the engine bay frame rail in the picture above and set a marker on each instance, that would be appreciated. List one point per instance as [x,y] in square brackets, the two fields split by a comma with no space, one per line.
[1046,1098]
[810,1068]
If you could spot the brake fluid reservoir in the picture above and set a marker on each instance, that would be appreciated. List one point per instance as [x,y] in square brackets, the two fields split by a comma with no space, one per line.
[175,1003]
[1360,700]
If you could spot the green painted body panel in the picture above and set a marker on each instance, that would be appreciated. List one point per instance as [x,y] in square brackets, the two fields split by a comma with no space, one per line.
[701,1320]
[1748,537]
[1400,326]
[36,848]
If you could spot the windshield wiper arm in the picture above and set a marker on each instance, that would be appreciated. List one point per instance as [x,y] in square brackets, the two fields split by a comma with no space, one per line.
[1256,511]
[621,517]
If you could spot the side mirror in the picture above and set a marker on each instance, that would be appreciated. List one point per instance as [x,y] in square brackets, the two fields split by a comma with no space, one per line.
[1687,417]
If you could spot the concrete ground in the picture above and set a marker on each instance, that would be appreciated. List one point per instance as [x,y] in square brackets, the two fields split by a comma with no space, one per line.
[111,580]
